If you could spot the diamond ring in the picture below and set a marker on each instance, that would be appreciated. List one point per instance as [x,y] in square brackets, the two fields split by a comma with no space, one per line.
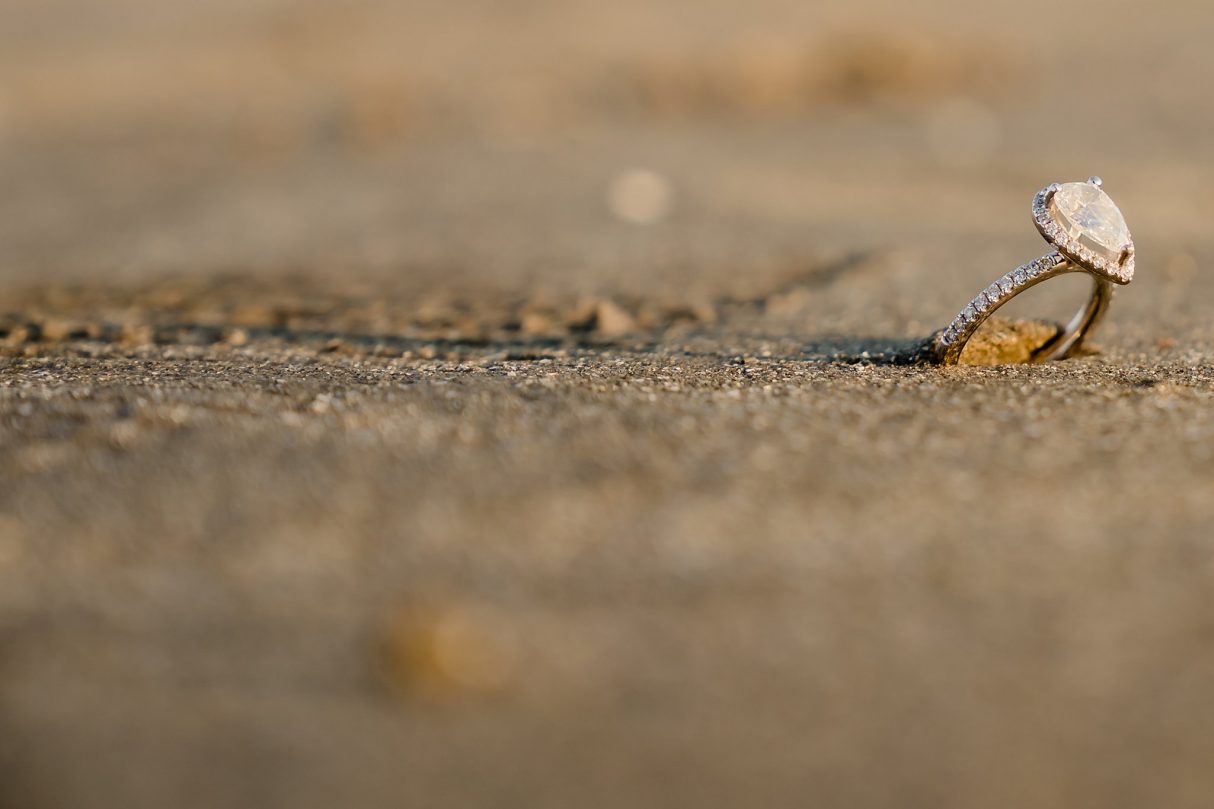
[1088,234]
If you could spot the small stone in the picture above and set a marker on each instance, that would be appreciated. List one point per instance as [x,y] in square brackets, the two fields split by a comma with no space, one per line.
[611,320]
[137,334]
[447,652]
[56,330]
[1019,277]
[236,337]
[640,196]
[537,322]
[17,335]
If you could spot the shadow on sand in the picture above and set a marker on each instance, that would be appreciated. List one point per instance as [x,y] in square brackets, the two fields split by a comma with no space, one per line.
[844,349]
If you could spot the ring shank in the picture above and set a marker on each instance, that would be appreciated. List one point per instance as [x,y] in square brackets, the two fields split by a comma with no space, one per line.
[1077,329]
[949,344]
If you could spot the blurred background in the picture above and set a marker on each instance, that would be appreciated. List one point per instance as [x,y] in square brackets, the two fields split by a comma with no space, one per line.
[426,404]
[170,137]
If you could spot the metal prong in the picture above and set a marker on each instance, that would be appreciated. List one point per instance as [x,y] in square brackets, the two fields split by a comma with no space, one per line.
[1096,181]
[1126,252]
[1050,191]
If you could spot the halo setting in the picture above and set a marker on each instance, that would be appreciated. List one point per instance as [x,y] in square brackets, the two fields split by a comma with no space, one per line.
[1087,227]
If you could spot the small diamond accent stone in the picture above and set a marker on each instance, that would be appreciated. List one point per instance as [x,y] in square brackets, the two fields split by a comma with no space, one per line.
[1005,284]
[1019,277]
[992,292]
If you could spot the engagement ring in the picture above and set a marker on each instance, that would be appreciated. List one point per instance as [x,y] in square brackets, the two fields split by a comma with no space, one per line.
[1088,234]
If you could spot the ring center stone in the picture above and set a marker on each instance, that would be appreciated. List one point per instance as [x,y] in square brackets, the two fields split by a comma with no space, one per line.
[1088,215]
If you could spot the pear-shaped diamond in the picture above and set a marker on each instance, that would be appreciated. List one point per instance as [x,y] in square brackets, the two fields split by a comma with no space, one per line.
[1088,216]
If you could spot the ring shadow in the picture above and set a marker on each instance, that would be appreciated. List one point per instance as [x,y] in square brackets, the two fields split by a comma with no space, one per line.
[840,349]
[851,350]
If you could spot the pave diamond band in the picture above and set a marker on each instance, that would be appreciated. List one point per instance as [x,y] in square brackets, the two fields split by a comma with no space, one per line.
[951,342]
[1088,234]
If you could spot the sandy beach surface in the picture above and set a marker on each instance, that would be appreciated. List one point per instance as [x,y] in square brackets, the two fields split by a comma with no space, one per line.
[512,405]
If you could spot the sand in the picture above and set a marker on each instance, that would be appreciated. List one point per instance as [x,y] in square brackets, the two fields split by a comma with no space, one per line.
[364,441]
